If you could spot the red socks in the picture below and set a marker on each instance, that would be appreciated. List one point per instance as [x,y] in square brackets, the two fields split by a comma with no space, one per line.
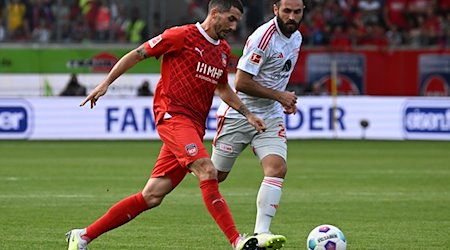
[218,208]
[119,214]
[130,207]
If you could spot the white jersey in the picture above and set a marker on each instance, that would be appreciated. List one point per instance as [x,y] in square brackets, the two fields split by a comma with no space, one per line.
[270,57]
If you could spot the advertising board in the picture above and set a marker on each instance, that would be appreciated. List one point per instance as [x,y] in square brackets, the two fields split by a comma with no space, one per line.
[387,118]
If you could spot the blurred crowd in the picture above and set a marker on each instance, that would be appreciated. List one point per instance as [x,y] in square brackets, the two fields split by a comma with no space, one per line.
[71,21]
[337,23]
[343,24]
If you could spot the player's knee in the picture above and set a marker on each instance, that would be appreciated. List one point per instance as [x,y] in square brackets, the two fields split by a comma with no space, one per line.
[209,172]
[276,170]
[152,200]
[282,170]
[204,169]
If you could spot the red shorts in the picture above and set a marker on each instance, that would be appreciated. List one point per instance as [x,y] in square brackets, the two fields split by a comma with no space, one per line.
[182,145]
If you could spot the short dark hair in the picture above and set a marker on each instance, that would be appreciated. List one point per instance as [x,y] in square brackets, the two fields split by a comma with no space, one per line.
[225,5]
[278,2]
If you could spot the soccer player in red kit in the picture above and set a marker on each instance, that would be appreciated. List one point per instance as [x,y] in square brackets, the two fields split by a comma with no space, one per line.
[194,66]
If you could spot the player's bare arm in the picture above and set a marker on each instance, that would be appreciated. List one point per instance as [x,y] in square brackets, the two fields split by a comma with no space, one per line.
[229,97]
[125,63]
[244,83]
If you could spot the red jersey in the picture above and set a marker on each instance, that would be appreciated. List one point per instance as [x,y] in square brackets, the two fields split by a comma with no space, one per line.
[397,12]
[192,65]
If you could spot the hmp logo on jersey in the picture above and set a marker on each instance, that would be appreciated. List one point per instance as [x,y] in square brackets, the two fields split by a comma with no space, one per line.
[209,70]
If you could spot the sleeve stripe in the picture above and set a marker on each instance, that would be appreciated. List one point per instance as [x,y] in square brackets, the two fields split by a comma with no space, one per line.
[266,37]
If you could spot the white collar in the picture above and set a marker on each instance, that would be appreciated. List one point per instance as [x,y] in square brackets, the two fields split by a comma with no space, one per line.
[203,32]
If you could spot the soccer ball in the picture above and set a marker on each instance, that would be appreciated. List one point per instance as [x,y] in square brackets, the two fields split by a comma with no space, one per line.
[326,237]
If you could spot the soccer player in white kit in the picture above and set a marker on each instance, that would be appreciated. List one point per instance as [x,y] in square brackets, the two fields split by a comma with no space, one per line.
[263,72]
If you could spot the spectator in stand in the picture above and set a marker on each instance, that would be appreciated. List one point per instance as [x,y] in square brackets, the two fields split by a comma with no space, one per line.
[394,36]
[91,11]
[446,30]
[17,27]
[417,34]
[74,88]
[395,14]
[40,10]
[79,30]
[2,24]
[330,11]
[433,25]
[375,36]
[2,6]
[340,39]
[74,10]
[419,7]
[42,32]
[136,27]
[61,11]
[318,26]
[2,31]
[102,22]
[340,19]
[358,29]
[348,7]
[117,20]
[370,11]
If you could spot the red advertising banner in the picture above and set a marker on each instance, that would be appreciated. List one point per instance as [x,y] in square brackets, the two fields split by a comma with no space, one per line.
[399,72]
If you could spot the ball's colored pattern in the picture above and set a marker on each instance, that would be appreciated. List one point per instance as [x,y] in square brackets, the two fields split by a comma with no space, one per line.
[326,237]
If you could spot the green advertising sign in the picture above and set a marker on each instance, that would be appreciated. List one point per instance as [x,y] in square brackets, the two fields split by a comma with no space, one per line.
[67,60]
[74,60]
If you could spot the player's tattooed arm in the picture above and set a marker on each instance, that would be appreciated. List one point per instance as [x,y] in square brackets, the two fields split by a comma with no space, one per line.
[243,110]
[255,121]
[141,52]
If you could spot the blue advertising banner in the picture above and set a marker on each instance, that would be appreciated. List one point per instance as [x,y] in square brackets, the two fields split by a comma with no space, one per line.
[434,75]
[391,118]
[351,69]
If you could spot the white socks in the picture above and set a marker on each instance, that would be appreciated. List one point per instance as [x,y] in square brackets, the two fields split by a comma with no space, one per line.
[269,196]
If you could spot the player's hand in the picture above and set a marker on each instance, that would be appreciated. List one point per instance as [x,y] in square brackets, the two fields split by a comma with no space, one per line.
[290,110]
[287,99]
[256,122]
[99,91]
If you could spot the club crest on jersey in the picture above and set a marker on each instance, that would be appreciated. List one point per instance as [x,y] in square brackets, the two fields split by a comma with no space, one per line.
[224,59]
[191,149]
[154,41]
[255,58]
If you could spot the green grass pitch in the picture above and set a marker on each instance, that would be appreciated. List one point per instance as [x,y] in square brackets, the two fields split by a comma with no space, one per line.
[382,194]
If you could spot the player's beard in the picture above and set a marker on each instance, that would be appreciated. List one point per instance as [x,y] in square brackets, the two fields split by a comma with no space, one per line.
[222,33]
[289,27]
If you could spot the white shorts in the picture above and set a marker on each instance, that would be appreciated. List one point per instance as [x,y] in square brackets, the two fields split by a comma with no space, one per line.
[234,135]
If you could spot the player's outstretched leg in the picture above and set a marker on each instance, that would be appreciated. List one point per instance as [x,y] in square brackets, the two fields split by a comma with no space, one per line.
[244,242]
[270,241]
[75,241]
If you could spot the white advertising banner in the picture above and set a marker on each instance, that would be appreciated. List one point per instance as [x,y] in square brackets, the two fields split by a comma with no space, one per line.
[389,118]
